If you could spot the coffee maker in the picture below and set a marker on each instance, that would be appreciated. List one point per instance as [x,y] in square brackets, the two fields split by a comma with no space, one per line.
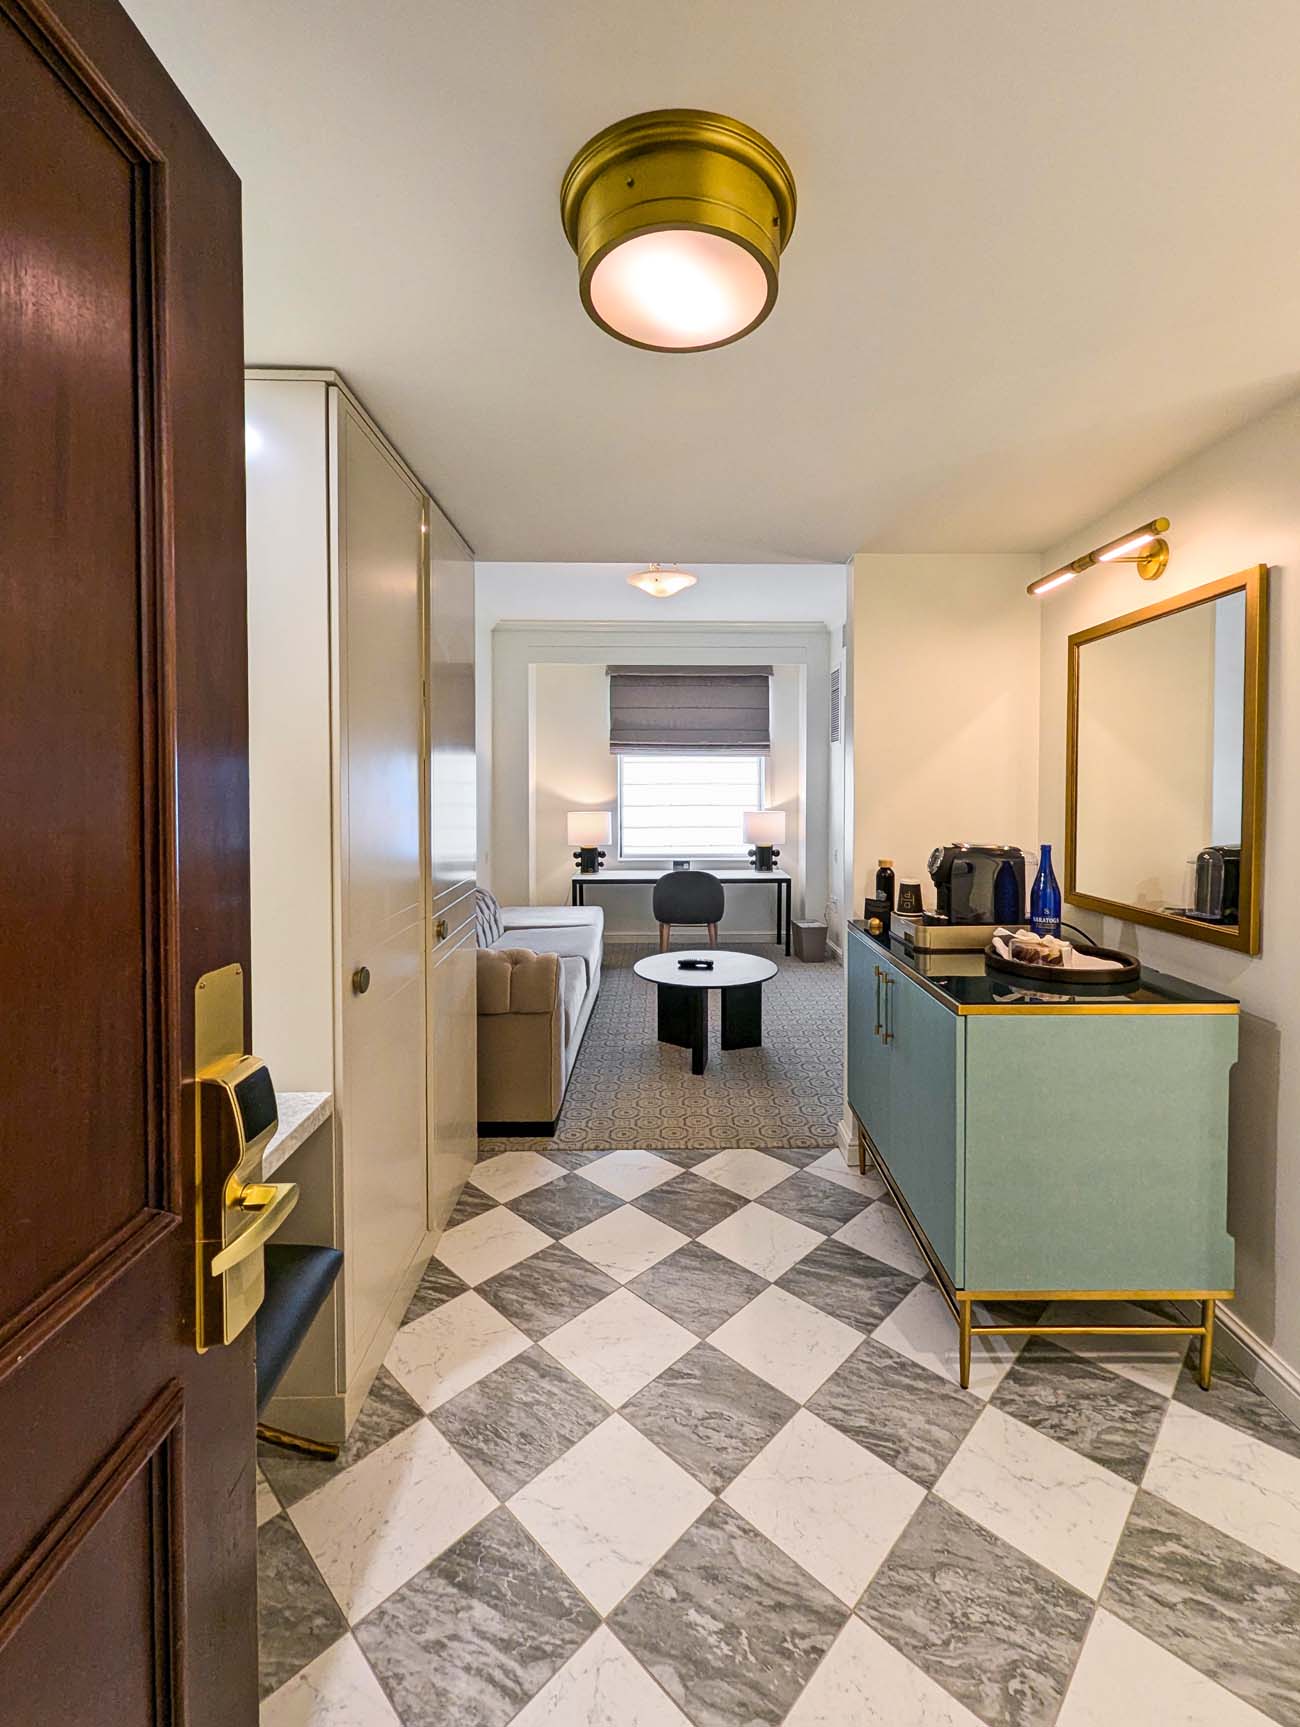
[978,883]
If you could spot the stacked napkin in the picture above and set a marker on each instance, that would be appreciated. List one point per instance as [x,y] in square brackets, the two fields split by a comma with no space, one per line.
[1030,948]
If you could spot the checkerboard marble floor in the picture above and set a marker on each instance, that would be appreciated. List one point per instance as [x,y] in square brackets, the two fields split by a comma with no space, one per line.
[675,1438]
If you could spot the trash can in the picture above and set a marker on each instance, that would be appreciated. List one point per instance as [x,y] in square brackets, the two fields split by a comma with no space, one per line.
[809,939]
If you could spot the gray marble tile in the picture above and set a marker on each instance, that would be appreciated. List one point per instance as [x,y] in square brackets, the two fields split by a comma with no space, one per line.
[709,1414]
[698,1288]
[516,1421]
[690,1204]
[799,1156]
[729,1626]
[898,1410]
[479,1632]
[687,1156]
[547,1290]
[473,1202]
[1233,1400]
[819,1204]
[997,1631]
[1215,1603]
[559,1207]
[578,1159]
[387,1411]
[438,1284]
[1084,1405]
[847,1284]
[297,1617]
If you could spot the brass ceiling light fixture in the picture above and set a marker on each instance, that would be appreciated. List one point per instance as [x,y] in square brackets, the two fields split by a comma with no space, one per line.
[661,583]
[679,218]
[1143,546]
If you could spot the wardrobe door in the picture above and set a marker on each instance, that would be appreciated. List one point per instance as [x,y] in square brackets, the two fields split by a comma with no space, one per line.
[453,1022]
[381,1077]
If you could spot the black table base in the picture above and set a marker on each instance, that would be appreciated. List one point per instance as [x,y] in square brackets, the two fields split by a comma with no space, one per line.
[684,1019]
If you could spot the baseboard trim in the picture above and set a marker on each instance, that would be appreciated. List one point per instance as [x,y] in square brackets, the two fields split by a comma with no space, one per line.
[518,1129]
[846,1141]
[1263,1366]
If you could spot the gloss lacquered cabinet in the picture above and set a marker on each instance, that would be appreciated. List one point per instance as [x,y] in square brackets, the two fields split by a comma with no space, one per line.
[1046,1145]
[361,756]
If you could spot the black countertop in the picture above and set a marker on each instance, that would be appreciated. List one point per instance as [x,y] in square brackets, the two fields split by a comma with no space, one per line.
[963,983]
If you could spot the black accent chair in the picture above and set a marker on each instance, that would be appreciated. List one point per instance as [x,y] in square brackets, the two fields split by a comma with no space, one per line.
[688,896]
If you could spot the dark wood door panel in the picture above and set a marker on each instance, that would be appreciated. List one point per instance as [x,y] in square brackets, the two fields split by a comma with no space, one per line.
[81,875]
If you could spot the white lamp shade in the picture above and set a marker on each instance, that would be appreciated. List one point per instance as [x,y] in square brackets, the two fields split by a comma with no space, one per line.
[590,827]
[765,827]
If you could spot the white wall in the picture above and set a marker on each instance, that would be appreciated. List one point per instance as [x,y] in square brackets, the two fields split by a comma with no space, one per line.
[945,708]
[1234,505]
[725,594]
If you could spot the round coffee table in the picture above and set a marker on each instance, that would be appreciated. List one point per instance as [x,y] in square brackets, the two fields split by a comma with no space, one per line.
[684,999]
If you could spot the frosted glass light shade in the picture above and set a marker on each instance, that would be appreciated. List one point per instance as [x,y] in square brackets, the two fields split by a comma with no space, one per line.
[679,289]
[590,827]
[765,827]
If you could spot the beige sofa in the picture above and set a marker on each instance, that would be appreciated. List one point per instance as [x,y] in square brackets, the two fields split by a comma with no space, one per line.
[538,979]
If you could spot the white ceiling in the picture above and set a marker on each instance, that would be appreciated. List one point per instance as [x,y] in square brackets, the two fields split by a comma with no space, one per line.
[1043,251]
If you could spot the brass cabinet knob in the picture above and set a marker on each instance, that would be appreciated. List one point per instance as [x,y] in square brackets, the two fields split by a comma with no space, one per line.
[440,930]
[361,980]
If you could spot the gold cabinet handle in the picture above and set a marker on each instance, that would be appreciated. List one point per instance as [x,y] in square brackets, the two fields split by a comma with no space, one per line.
[879,975]
[272,1201]
[887,1035]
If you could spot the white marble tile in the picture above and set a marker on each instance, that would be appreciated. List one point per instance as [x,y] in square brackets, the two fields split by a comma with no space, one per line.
[1154,1362]
[786,1342]
[625,1243]
[833,1507]
[377,1524]
[609,1508]
[619,1345]
[442,1352]
[866,1682]
[761,1240]
[923,1328]
[511,1173]
[1122,1677]
[602,1686]
[746,1172]
[629,1174]
[1231,1480]
[832,1167]
[337,1689]
[880,1232]
[298,1115]
[267,1503]
[1063,1510]
[488,1243]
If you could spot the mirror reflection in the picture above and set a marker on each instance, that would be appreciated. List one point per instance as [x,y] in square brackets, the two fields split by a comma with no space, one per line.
[1160,708]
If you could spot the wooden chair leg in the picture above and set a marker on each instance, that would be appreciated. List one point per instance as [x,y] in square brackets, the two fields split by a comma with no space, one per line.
[713,935]
[665,930]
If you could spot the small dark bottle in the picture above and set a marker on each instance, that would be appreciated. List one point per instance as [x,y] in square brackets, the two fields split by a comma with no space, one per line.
[885,881]
[1007,905]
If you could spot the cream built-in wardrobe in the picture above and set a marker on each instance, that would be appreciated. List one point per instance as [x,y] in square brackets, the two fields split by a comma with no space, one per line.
[361,759]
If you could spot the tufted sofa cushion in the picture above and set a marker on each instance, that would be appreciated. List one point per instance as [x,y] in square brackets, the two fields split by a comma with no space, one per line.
[516,980]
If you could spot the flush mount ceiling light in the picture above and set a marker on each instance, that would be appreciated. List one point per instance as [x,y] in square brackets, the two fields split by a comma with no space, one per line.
[679,219]
[1141,546]
[662,583]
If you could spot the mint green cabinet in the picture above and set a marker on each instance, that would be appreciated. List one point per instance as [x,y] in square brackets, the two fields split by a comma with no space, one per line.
[1049,1148]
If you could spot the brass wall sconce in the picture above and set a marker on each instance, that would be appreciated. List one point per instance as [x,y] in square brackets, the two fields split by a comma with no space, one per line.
[1141,546]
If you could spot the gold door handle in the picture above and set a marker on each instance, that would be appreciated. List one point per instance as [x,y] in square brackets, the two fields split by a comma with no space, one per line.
[272,1201]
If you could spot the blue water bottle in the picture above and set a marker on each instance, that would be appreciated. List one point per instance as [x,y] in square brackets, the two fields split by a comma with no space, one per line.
[1045,897]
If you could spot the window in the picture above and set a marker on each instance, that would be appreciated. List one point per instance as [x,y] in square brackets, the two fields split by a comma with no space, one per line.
[686,805]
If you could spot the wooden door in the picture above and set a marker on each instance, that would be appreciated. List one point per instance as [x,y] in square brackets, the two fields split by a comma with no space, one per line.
[381,1073]
[127,1584]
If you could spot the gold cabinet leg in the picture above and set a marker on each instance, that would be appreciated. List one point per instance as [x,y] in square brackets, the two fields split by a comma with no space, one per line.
[964,1326]
[1207,1343]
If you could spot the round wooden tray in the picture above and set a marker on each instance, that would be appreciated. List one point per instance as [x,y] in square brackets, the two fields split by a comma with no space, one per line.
[1130,970]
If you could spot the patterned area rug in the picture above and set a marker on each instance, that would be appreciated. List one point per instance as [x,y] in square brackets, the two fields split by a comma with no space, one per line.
[629,1089]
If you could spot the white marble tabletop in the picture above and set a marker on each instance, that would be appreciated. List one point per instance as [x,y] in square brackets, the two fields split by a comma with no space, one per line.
[300,1113]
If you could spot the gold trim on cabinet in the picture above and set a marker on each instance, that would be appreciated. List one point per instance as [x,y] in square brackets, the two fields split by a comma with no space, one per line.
[960,1301]
[1244,936]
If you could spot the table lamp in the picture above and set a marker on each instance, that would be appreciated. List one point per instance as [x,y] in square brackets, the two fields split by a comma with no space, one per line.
[765,831]
[589,830]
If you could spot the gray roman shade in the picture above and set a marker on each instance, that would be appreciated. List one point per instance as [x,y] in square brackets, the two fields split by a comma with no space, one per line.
[708,708]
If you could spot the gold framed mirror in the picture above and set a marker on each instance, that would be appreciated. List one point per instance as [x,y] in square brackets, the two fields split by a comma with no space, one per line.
[1164,818]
